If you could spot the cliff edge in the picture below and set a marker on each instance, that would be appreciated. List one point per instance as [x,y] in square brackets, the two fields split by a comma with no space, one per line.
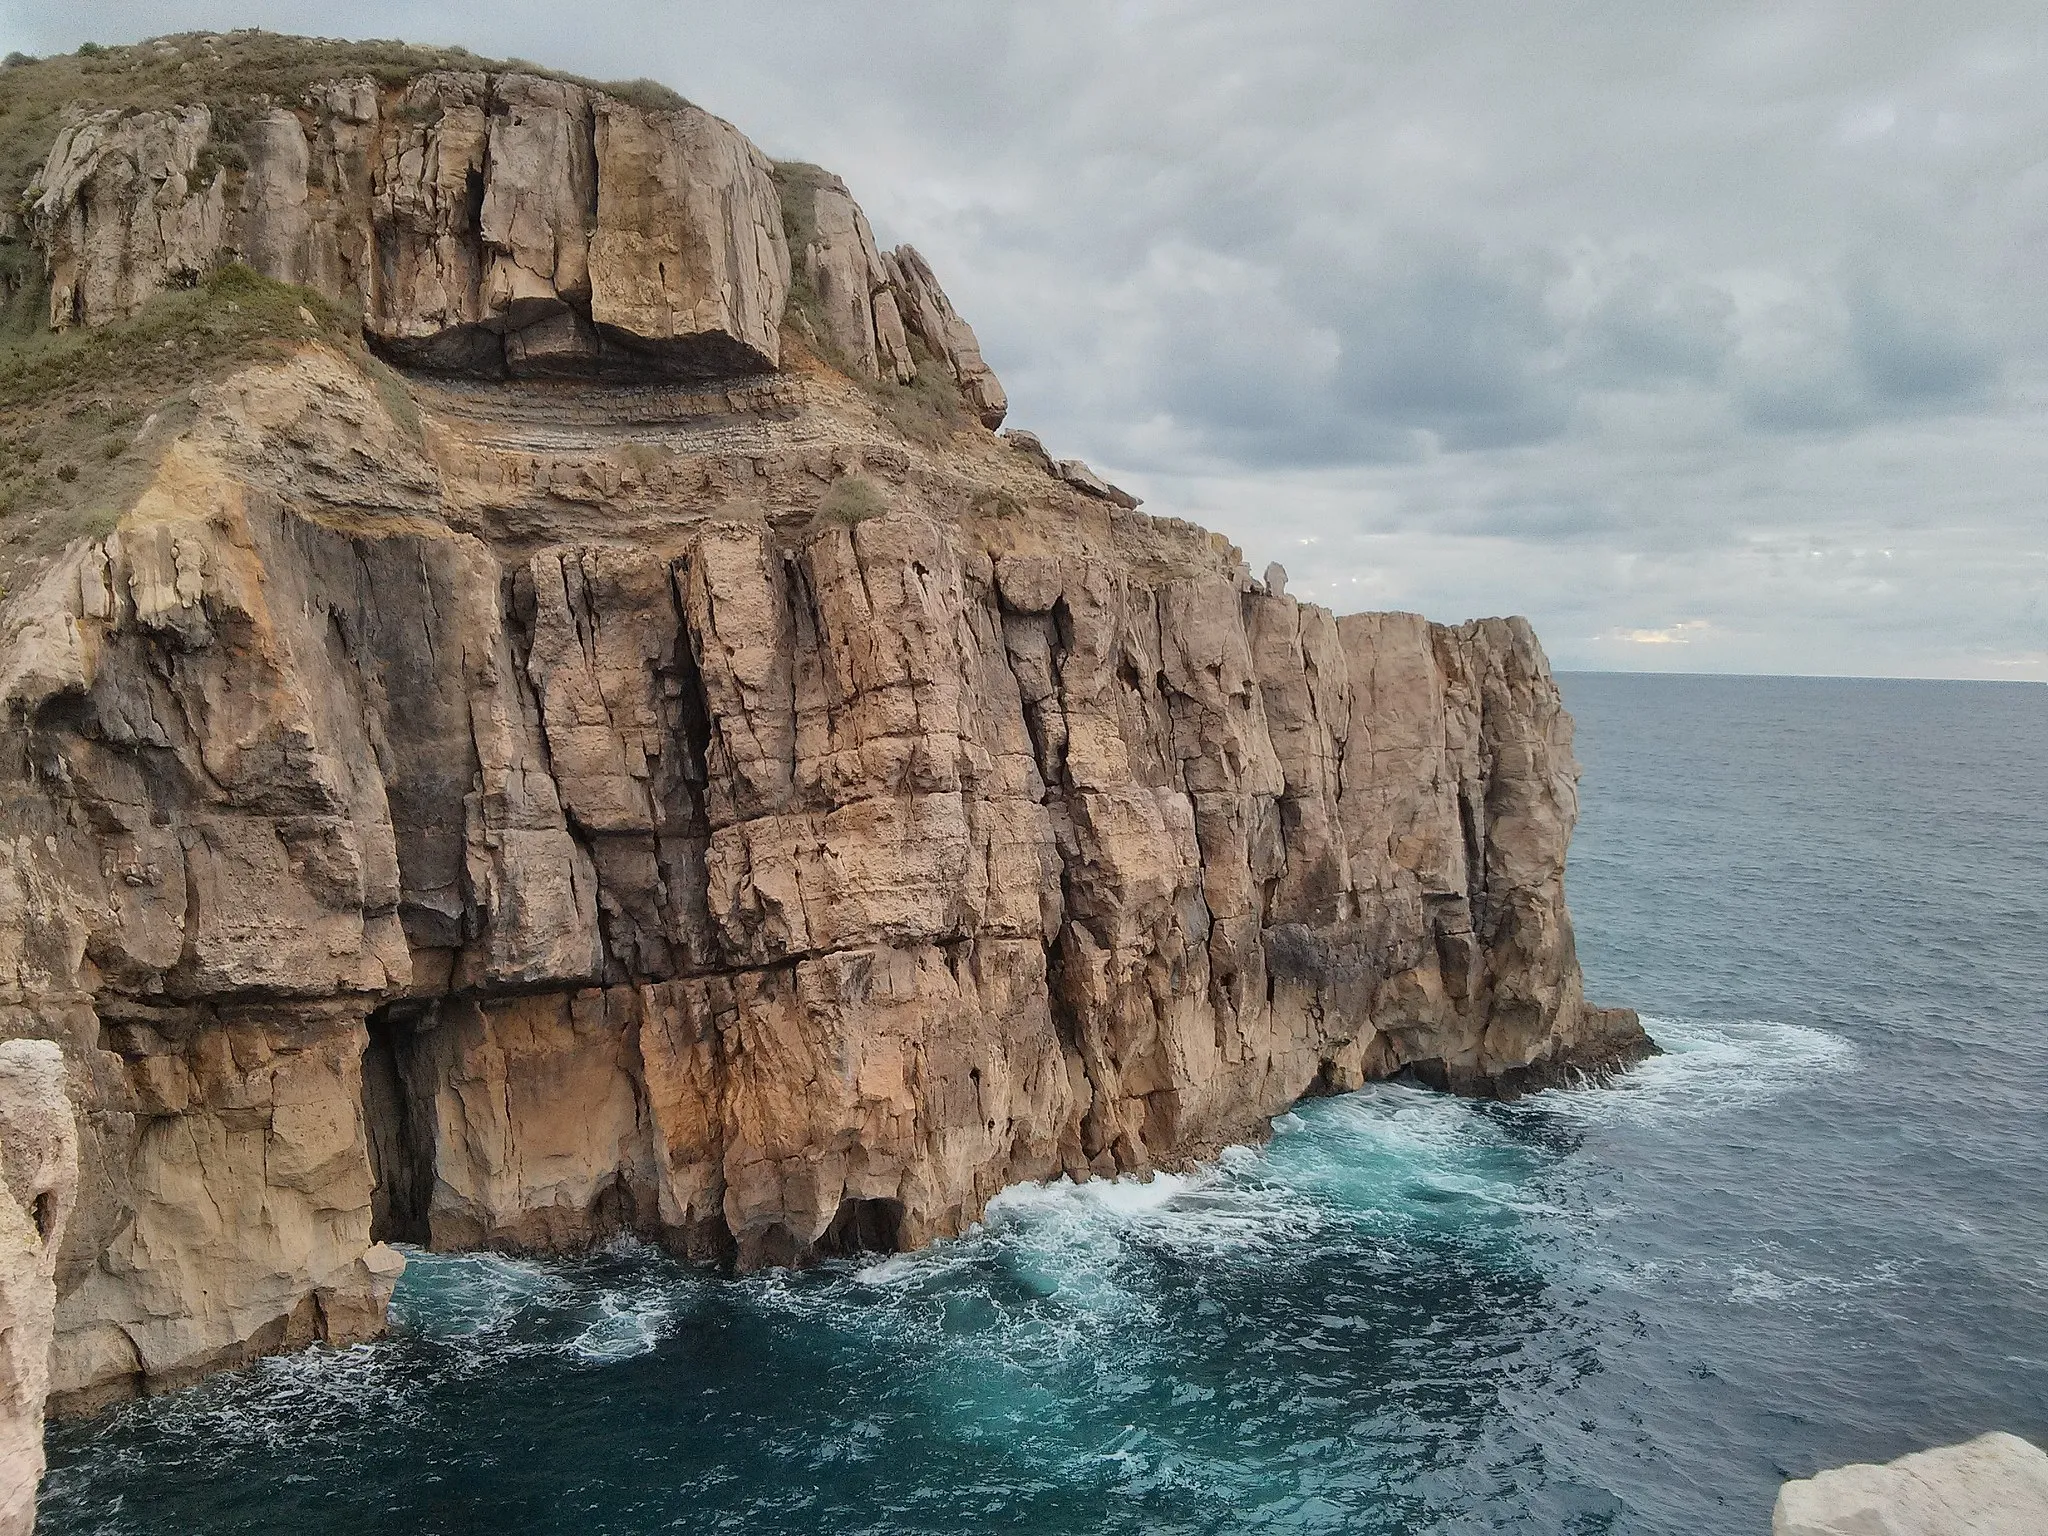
[662,764]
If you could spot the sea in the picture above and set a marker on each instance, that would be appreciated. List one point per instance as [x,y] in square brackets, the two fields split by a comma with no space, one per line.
[1813,1231]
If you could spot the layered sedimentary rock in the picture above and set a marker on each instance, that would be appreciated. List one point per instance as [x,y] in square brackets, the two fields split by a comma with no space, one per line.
[39,1167]
[1995,1485]
[694,810]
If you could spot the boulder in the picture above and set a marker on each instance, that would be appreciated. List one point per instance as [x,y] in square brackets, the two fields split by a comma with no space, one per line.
[1088,483]
[1995,1485]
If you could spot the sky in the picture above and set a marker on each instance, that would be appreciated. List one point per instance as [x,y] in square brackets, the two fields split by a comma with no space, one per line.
[1711,336]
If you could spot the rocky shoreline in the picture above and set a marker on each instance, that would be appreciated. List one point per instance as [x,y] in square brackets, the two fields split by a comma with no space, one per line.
[668,766]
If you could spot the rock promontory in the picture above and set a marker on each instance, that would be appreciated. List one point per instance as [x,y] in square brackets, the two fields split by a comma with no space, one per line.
[659,764]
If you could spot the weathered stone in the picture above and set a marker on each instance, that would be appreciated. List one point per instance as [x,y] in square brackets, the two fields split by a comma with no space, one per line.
[1088,483]
[688,258]
[121,211]
[929,314]
[480,223]
[847,277]
[1995,1485]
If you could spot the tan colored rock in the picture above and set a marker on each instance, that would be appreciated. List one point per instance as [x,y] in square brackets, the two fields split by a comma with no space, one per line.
[480,223]
[850,284]
[552,818]
[1088,483]
[1995,1485]
[928,313]
[689,245]
[120,211]
[39,1159]
[541,185]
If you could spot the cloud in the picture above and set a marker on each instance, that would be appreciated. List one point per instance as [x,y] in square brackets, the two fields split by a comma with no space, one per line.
[1680,633]
[1468,309]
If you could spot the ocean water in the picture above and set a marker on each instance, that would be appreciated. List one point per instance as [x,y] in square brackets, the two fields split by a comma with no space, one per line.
[1815,1231]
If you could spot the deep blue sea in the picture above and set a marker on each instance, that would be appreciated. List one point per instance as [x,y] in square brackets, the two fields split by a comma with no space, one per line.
[1815,1231]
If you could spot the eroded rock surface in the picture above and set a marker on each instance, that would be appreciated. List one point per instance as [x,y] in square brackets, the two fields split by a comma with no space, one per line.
[870,305]
[490,223]
[1995,1485]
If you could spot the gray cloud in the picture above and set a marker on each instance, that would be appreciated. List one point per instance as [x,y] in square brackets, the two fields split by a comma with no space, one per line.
[1710,336]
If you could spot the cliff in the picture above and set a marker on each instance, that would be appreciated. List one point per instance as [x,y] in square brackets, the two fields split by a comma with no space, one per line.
[665,766]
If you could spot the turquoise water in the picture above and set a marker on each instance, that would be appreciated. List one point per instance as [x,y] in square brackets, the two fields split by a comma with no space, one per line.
[1812,1232]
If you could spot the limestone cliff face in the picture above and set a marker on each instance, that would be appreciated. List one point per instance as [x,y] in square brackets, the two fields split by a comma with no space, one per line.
[572,812]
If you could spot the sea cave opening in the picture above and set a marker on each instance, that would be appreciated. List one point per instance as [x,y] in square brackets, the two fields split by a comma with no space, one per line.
[398,1119]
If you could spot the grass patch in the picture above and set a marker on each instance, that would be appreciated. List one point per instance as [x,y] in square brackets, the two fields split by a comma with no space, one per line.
[928,410]
[74,402]
[850,500]
[397,400]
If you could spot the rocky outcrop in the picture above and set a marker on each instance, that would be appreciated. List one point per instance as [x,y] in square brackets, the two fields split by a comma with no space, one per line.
[425,843]
[121,210]
[502,224]
[930,315]
[696,810]
[1995,1485]
[869,305]
[488,223]
[39,1165]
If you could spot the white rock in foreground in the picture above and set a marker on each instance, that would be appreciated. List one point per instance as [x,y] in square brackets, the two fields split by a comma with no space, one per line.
[38,1184]
[1995,1485]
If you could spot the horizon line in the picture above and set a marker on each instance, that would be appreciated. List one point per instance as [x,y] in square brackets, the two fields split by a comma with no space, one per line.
[1808,677]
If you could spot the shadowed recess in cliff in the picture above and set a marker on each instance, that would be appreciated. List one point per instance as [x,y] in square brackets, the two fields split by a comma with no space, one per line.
[398,1122]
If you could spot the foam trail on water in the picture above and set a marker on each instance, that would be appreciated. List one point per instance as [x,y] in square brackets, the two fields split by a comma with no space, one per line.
[1708,1066]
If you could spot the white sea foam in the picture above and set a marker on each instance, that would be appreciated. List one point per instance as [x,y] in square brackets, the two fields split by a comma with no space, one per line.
[1708,1067]
[473,1295]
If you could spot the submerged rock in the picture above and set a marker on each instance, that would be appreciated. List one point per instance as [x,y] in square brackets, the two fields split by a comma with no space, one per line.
[1995,1485]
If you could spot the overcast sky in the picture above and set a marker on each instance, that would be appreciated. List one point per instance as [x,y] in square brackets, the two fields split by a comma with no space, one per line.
[1714,337]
